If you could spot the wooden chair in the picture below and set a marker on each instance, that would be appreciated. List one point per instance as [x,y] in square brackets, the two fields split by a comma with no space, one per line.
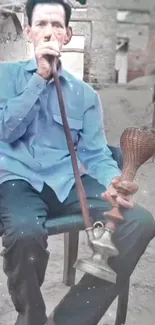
[71,226]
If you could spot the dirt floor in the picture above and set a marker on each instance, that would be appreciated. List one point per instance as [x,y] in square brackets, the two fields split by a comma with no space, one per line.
[124,107]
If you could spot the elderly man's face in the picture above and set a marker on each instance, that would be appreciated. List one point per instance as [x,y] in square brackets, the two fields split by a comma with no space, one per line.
[49,24]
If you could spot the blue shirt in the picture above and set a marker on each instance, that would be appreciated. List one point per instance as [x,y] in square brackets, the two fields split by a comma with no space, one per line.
[33,146]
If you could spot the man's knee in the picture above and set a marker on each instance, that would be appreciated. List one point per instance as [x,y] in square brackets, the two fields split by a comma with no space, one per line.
[24,232]
[139,224]
[132,238]
[143,218]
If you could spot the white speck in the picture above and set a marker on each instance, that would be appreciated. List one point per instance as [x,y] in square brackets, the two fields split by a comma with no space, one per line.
[22,232]
[87,302]
[145,191]
[88,288]
[99,307]
[77,294]
[94,287]
[71,85]
[2,158]
[20,119]
[38,223]
[13,184]
[96,195]
[78,93]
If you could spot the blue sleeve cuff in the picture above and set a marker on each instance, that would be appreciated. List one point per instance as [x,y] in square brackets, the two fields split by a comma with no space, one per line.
[36,84]
[107,180]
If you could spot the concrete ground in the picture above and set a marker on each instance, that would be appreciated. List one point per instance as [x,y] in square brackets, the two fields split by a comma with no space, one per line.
[123,107]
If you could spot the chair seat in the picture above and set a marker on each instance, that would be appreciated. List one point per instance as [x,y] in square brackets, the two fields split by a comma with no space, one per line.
[61,224]
[65,223]
[75,221]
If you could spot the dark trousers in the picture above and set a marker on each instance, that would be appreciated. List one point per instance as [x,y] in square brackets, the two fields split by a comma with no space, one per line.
[23,212]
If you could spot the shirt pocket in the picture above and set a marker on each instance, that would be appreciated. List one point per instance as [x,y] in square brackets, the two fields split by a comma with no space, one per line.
[75,126]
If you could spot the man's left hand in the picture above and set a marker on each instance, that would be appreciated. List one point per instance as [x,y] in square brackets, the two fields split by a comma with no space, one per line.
[120,193]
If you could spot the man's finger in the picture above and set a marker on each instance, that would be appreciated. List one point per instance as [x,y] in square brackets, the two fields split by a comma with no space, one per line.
[124,203]
[126,187]
[52,45]
[49,46]
[49,52]
[110,198]
[116,180]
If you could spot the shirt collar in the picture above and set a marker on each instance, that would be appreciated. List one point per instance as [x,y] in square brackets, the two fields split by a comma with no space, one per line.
[31,66]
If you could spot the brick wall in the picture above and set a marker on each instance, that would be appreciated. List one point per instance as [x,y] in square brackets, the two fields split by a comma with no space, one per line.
[135,27]
[98,24]
[150,58]
[103,44]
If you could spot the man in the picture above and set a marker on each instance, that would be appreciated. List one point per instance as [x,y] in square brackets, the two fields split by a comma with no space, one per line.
[36,175]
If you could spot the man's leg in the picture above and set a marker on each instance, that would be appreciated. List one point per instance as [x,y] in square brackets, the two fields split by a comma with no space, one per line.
[87,301]
[23,213]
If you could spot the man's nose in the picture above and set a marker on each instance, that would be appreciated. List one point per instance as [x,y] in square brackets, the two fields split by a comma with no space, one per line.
[49,33]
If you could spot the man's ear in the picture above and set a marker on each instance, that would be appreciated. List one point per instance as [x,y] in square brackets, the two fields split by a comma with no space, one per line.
[68,35]
[27,33]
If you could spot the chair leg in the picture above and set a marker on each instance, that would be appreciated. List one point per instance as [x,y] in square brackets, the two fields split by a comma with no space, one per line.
[71,241]
[122,306]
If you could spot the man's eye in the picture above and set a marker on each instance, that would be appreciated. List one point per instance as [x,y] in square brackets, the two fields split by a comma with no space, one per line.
[57,25]
[41,23]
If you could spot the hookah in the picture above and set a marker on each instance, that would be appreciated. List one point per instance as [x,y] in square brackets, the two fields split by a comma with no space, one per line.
[137,145]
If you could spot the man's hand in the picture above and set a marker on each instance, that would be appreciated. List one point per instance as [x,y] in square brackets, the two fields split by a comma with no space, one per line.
[120,193]
[43,52]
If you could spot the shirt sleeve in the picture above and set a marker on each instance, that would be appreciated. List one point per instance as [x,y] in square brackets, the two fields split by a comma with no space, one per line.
[92,148]
[17,110]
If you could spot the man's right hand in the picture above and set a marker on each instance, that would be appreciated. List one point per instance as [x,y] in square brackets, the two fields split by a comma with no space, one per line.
[43,52]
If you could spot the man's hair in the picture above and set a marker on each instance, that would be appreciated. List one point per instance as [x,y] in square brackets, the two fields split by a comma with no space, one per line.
[30,4]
